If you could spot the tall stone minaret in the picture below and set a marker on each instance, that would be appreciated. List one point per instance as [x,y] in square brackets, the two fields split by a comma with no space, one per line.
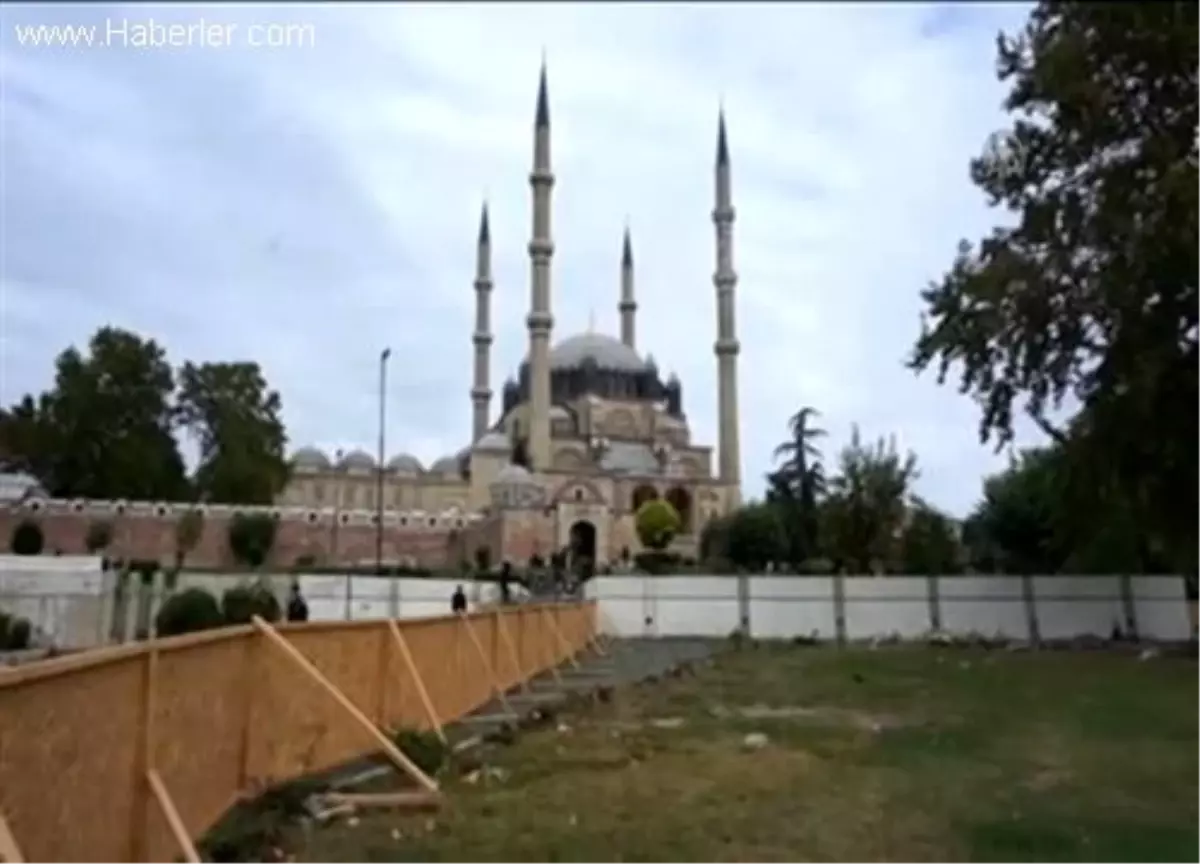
[627,306]
[481,393]
[540,321]
[726,347]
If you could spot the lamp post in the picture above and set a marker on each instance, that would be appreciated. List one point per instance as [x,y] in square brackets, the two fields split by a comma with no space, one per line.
[384,355]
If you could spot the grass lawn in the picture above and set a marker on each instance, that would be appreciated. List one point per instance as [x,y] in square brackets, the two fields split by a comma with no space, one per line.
[903,753]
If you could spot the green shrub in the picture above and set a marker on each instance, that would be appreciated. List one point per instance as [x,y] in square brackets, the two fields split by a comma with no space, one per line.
[657,522]
[17,634]
[240,604]
[425,749]
[27,538]
[188,611]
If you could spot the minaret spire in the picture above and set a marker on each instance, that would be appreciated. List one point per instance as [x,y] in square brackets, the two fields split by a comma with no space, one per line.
[541,250]
[481,393]
[628,306]
[726,347]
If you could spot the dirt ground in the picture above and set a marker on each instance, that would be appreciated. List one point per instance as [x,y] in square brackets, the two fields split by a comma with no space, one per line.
[788,753]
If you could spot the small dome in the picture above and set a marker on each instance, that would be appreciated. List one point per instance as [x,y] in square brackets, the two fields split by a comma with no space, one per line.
[605,351]
[405,462]
[358,460]
[310,457]
[445,465]
[493,442]
[513,474]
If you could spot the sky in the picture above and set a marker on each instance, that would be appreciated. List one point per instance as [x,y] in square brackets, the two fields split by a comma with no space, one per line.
[307,204]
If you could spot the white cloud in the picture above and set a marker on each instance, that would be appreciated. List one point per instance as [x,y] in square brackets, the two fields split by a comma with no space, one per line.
[305,207]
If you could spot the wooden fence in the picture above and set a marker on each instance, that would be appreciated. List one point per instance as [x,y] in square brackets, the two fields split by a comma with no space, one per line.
[125,753]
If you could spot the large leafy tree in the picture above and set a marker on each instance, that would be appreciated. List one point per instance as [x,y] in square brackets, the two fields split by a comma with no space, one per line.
[1018,526]
[1030,522]
[235,417]
[863,515]
[104,430]
[1088,303]
[795,486]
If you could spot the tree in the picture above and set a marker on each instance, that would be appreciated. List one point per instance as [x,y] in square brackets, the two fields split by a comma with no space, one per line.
[99,535]
[863,515]
[251,536]
[189,528]
[657,523]
[796,485]
[1090,299]
[235,418]
[1029,522]
[104,430]
[27,538]
[754,537]
[929,544]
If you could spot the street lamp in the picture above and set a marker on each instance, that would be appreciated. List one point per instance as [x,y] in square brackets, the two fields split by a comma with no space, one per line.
[384,355]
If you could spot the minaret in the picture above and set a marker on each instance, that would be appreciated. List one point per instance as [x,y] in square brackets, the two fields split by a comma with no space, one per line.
[726,347]
[627,306]
[540,321]
[481,393]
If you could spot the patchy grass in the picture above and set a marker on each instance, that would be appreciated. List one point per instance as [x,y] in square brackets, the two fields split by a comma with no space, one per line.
[903,753]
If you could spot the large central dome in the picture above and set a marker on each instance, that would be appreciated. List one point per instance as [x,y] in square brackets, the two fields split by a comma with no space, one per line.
[605,351]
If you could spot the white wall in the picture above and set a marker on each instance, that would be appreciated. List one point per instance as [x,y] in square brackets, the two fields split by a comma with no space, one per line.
[881,606]
[71,599]
[784,606]
[370,596]
[988,605]
[64,597]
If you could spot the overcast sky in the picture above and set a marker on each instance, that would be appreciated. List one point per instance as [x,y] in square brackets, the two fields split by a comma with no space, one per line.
[305,206]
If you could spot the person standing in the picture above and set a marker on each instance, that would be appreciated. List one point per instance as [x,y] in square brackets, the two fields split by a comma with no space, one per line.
[458,601]
[297,609]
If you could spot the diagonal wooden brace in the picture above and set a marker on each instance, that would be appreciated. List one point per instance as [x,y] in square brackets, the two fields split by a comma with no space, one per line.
[487,664]
[411,664]
[393,752]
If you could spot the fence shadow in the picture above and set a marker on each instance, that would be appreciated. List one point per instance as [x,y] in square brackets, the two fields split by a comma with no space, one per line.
[125,753]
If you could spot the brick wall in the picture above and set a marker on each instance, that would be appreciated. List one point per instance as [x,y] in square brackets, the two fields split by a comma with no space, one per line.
[144,533]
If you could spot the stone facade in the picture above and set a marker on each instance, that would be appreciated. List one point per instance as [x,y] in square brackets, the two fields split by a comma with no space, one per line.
[588,430]
[592,427]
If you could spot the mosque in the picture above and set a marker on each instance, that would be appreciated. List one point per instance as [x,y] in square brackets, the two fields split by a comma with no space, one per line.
[587,431]
[587,428]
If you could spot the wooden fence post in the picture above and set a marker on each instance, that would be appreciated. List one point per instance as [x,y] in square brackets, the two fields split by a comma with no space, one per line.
[250,669]
[143,756]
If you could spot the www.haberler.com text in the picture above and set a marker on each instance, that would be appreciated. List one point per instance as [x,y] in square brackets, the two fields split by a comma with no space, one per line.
[149,34]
